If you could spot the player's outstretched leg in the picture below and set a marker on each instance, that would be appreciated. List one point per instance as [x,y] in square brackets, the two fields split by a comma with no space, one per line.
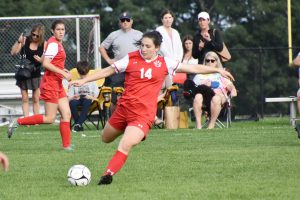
[30,120]
[115,164]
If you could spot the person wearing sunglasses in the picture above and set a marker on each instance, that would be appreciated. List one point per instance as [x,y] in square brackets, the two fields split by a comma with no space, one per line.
[221,86]
[121,42]
[33,47]
[52,92]
[206,39]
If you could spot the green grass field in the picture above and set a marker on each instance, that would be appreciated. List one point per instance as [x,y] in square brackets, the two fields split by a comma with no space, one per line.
[251,160]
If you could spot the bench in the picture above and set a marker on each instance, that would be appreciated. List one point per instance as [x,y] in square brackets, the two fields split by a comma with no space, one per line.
[292,100]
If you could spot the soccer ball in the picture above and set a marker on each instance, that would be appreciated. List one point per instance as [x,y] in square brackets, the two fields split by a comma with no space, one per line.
[79,175]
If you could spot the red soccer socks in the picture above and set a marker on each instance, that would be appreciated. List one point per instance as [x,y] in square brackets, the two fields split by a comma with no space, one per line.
[31,120]
[116,163]
[65,133]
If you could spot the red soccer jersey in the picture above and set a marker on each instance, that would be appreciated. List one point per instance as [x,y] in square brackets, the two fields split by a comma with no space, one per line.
[56,52]
[143,82]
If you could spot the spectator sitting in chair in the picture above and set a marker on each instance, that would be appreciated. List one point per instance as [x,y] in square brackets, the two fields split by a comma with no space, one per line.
[211,90]
[82,96]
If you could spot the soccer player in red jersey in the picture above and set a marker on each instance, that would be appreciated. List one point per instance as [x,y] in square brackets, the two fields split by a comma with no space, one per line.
[145,72]
[52,91]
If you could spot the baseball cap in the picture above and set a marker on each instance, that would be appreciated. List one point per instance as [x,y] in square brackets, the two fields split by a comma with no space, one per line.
[203,15]
[125,15]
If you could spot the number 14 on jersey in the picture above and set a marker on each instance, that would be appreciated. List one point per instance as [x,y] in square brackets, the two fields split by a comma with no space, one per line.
[147,74]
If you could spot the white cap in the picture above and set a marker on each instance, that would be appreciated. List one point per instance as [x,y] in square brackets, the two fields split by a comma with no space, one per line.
[203,15]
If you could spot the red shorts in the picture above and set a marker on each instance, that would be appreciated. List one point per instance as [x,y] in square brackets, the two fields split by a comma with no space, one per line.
[123,117]
[51,95]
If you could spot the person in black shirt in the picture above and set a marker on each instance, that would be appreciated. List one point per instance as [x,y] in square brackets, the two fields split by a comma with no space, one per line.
[206,39]
[33,47]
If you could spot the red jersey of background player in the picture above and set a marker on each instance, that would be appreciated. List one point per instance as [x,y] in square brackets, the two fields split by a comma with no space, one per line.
[56,52]
[143,82]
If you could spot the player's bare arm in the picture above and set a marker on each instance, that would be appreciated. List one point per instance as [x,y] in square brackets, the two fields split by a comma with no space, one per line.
[99,74]
[203,69]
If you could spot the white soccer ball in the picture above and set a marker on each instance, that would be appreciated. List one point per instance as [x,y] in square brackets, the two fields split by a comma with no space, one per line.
[79,175]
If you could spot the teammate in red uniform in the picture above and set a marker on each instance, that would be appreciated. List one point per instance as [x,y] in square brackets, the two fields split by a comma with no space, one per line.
[145,72]
[52,91]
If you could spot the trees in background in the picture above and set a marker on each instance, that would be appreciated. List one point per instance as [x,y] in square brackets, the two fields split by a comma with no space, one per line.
[255,32]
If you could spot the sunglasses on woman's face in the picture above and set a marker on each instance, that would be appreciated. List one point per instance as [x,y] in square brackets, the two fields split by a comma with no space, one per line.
[125,19]
[210,60]
[35,35]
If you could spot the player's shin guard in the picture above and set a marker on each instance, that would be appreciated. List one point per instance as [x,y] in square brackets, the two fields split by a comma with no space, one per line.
[116,163]
[65,133]
[31,120]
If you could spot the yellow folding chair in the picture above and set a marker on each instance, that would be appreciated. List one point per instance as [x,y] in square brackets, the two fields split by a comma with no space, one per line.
[167,100]
[118,91]
[102,103]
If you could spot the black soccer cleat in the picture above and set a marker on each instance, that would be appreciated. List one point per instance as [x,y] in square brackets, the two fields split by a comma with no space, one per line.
[297,128]
[105,180]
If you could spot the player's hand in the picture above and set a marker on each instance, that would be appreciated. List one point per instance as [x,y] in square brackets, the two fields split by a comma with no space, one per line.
[67,75]
[4,161]
[227,74]
[77,83]
[233,93]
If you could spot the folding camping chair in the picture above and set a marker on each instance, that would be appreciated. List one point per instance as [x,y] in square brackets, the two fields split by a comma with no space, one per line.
[225,113]
[119,91]
[102,103]
[190,90]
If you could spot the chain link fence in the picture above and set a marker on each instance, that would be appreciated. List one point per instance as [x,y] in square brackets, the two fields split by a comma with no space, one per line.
[259,72]
[81,41]
[262,72]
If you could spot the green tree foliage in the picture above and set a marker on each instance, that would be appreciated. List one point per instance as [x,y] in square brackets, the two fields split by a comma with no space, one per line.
[10,8]
[255,32]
